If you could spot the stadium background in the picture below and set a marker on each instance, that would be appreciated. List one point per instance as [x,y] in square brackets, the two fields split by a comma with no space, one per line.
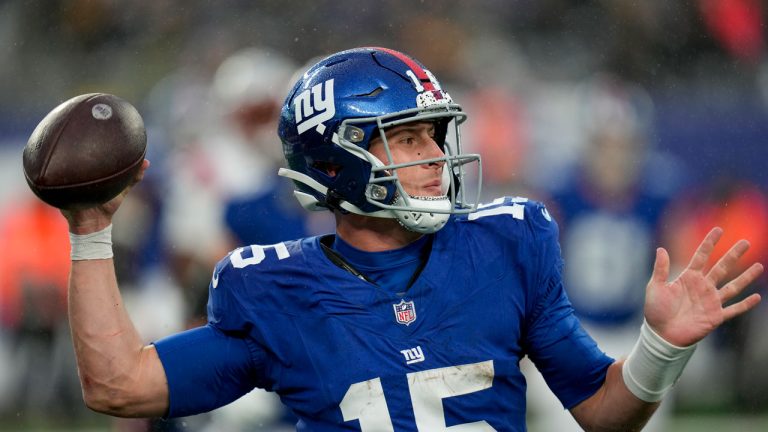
[524,64]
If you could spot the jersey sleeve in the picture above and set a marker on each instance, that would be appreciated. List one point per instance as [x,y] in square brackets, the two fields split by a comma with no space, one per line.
[225,305]
[568,358]
[206,369]
[213,365]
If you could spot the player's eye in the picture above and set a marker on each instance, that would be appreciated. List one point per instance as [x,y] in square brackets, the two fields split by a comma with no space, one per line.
[404,137]
[408,140]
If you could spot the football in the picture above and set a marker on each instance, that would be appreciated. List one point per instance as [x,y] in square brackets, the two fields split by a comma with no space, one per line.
[85,151]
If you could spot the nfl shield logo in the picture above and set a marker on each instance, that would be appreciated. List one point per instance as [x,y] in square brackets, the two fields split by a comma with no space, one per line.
[405,312]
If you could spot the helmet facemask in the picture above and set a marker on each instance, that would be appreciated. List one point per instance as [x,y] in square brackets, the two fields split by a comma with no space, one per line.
[424,214]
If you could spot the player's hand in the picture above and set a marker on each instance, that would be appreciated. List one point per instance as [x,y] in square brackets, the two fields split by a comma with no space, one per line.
[92,219]
[690,307]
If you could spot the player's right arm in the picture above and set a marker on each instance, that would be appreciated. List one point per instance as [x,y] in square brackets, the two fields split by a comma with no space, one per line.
[119,374]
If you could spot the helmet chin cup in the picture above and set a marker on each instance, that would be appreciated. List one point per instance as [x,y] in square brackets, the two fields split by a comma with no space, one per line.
[424,222]
[445,181]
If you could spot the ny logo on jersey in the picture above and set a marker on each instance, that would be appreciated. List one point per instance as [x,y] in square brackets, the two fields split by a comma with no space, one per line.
[405,312]
[314,106]
[413,355]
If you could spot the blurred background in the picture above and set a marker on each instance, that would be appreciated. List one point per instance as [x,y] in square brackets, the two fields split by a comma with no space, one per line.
[639,124]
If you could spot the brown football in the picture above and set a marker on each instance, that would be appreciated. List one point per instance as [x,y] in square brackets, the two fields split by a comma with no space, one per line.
[85,151]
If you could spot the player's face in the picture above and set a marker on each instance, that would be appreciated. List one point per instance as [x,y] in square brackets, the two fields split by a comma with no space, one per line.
[407,143]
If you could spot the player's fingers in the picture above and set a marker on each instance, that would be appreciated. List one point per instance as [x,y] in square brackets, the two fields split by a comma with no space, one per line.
[661,266]
[140,175]
[739,308]
[726,262]
[701,256]
[737,285]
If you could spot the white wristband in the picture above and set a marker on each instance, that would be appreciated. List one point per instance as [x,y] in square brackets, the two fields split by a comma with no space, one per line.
[654,365]
[91,246]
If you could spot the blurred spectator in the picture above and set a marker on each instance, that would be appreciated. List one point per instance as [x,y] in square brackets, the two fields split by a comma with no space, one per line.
[34,267]
[497,83]
[738,26]
[497,130]
[741,209]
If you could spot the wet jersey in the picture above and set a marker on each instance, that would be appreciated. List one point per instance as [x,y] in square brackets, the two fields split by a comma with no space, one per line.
[346,355]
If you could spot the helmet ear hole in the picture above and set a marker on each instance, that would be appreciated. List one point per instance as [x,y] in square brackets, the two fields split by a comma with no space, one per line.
[328,168]
[441,132]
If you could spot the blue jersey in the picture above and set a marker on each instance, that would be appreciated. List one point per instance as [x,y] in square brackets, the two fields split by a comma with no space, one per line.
[344,354]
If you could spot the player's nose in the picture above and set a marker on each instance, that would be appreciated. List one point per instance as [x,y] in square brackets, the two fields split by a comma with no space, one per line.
[434,151]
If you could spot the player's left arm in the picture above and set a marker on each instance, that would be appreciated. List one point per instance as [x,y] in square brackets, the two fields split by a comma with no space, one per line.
[678,314]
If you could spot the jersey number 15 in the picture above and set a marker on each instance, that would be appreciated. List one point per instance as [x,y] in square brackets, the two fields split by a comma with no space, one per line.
[364,401]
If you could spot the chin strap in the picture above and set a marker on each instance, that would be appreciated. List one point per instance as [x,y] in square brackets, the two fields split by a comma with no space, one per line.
[311,203]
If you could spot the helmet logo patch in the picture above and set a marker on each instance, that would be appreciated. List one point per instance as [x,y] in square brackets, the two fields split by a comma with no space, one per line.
[314,106]
[405,312]
[430,93]
[435,97]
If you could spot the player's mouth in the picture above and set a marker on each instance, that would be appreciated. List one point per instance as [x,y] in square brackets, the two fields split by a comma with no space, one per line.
[433,188]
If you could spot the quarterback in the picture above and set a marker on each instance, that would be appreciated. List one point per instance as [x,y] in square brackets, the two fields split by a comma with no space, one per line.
[415,313]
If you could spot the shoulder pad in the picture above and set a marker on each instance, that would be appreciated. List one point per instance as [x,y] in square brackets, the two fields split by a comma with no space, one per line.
[237,278]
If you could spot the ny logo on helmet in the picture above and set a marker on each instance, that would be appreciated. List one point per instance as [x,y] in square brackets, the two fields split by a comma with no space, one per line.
[312,109]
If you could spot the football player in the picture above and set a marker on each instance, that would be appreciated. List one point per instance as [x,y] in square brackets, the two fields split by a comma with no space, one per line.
[416,313]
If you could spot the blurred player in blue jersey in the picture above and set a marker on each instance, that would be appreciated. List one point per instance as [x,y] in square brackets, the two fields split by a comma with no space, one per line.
[611,213]
[416,313]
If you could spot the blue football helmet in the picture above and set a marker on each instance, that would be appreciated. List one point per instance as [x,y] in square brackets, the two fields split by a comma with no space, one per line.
[334,111]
